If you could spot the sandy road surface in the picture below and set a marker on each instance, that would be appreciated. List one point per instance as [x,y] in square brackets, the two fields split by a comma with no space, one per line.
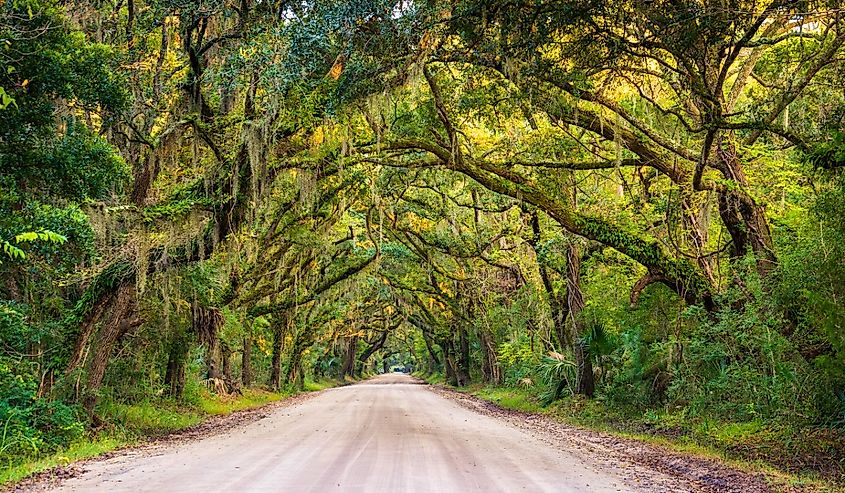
[388,434]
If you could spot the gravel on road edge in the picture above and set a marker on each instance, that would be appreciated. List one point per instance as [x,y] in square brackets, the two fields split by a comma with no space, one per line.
[701,474]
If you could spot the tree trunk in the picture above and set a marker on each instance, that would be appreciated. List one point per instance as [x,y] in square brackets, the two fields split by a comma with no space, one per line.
[77,356]
[122,317]
[174,377]
[226,353]
[246,362]
[278,349]
[585,385]
[212,369]
[433,360]
[449,365]
[486,369]
[744,219]
[206,323]
[375,346]
[557,307]
[695,218]
[293,374]
[490,365]
[349,350]
[462,369]
[566,312]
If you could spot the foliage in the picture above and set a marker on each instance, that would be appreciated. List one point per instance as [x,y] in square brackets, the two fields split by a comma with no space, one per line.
[518,360]
[741,366]
[200,199]
[32,424]
[557,374]
[14,252]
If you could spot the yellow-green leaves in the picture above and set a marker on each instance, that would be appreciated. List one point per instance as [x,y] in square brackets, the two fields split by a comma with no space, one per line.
[13,252]
[5,99]
[43,235]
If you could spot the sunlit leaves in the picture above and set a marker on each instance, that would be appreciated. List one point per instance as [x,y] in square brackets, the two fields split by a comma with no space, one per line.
[43,235]
[5,99]
[15,253]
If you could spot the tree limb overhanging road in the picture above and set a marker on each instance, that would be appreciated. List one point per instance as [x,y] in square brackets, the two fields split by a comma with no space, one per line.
[389,433]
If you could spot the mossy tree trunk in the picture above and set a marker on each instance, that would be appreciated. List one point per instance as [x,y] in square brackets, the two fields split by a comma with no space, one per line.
[246,361]
[122,317]
[585,384]
[279,331]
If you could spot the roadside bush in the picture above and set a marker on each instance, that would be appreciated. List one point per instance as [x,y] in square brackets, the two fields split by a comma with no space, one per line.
[810,287]
[517,360]
[31,424]
[739,365]
[557,374]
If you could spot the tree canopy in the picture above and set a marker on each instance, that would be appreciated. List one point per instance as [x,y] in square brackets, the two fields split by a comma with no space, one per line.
[635,200]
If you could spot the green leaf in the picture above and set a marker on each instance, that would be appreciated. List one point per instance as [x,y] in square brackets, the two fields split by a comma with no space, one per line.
[5,99]
[12,251]
[28,236]
[53,237]
[43,235]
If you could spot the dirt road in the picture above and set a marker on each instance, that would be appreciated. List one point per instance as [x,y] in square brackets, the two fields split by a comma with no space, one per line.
[388,434]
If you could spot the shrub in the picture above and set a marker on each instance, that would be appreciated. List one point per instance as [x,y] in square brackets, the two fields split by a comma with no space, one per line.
[31,424]
[517,359]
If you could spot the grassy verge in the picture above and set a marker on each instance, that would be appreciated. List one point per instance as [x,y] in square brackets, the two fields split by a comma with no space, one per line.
[127,424]
[82,449]
[737,444]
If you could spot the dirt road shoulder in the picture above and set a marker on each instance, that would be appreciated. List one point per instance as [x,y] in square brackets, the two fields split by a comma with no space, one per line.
[50,478]
[706,474]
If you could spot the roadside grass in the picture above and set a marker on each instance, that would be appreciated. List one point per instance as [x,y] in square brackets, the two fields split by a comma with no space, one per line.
[432,378]
[125,424]
[84,448]
[148,418]
[315,386]
[509,398]
[733,444]
[250,399]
